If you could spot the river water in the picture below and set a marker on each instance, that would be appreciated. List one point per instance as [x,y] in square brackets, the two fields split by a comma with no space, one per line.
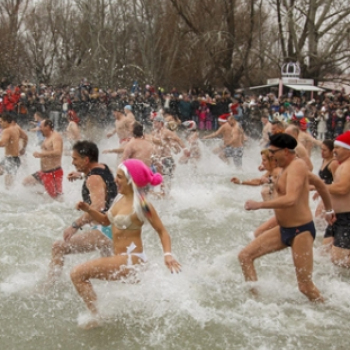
[206,306]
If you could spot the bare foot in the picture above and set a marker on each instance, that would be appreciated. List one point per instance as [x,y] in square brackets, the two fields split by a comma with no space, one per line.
[254,292]
[94,322]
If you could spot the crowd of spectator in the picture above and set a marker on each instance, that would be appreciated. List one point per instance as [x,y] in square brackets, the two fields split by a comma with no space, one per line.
[325,116]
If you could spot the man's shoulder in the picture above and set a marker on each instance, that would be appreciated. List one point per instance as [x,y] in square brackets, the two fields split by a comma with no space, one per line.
[344,165]
[57,136]
[299,165]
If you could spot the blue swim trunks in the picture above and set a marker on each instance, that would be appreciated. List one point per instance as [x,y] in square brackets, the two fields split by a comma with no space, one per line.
[289,233]
[106,230]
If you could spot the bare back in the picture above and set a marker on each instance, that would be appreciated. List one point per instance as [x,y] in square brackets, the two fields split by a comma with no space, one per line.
[139,148]
[12,135]
[123,128]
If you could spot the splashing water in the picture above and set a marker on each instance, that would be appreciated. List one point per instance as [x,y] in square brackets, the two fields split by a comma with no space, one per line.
[206,306]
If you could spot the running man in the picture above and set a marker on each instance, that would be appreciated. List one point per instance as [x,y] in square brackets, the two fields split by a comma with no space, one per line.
[98,191]
[340,195]
[296,228]
[10,140]
[50,174]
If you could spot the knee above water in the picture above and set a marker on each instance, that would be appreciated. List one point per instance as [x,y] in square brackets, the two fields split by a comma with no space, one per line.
[58,246]
[243,257]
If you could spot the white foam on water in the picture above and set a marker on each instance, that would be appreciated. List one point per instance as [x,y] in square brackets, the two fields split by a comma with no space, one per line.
[207,305]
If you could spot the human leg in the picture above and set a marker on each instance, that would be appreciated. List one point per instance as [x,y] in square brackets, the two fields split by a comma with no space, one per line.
[108,268]
[30,181]
[267,225]
[341,242]
[79,243]
[266,243]
[237,156]
[341,256]
[302,252]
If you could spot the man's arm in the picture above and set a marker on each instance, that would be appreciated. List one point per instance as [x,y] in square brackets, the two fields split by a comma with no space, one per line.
[97,189]
[321,189]
[302,154]
[214,134]
[23,135]
[342,186]
[294,185]
[5,138]
[128,151]
[170,135]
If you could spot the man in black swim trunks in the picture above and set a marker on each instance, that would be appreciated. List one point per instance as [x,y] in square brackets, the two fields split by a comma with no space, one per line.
[296,228]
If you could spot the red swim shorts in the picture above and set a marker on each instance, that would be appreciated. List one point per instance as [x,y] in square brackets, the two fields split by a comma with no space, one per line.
[52,180]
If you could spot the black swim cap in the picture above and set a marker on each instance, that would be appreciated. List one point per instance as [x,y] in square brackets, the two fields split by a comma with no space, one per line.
[283,140]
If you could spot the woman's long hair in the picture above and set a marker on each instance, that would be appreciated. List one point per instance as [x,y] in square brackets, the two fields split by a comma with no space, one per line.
[139,202]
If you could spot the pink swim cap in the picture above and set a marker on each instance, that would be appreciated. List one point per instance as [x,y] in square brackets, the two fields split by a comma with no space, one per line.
[141,174]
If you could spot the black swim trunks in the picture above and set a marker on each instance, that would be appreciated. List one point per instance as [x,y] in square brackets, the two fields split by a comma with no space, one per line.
[10,165]
[289,233]
[340,230]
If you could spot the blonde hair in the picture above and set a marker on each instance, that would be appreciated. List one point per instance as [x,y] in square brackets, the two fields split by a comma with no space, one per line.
[265,152]
[136,204]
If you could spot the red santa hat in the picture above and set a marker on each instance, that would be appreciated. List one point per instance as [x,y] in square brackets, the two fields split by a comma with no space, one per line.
[223,117]
[343,140]
[233,107]
[303,124]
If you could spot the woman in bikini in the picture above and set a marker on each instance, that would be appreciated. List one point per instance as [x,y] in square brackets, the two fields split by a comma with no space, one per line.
[326,173]
[267,181]
[127,216]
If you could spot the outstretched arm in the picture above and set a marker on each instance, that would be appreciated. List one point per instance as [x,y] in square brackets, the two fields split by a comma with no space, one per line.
[165,240]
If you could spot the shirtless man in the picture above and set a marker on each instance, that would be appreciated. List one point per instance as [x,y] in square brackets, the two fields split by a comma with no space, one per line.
[300,150]
[50,174]
[99,191]
[277,127]
[73,131]
[232,136]
[128,113]
[266,131]
[38,118]
[162,158]
[307,140]
[140,146]
[123,129]
[340,195]
[10,139]
[296,228]
[192,152]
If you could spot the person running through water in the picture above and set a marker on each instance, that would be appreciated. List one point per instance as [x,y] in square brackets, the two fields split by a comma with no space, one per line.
[127,215]
[296,228]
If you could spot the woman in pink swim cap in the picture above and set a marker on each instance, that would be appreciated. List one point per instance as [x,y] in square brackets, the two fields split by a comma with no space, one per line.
[127,215]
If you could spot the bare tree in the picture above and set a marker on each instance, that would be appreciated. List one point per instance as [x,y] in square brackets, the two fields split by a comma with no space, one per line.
[12,13]
[316,34]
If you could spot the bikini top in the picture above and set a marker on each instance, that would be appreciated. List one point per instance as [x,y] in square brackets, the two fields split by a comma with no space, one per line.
[325,174]
[122,222]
